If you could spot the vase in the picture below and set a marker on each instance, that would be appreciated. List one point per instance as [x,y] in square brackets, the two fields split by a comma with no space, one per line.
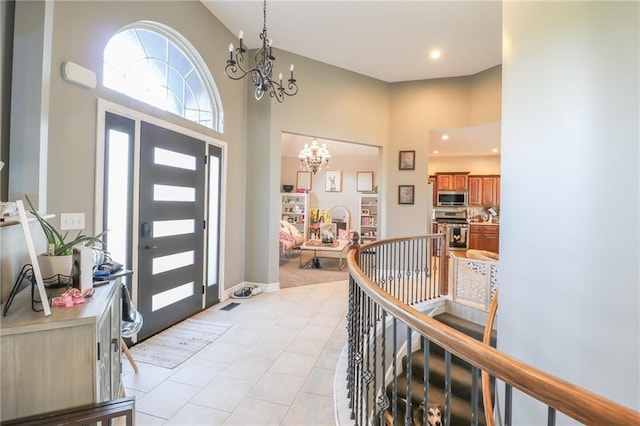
[51,266]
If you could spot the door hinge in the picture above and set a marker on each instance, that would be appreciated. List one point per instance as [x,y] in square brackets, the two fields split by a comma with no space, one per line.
[203,289]
[204,223]
[98,351]
[205,159]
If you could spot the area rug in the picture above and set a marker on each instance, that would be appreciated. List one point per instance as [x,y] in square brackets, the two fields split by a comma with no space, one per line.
[177,344]
[291,275]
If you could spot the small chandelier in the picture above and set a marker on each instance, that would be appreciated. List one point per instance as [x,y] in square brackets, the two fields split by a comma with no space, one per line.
[314,157]
[261,73]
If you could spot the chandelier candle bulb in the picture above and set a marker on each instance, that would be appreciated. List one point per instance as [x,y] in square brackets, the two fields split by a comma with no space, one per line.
[280,78]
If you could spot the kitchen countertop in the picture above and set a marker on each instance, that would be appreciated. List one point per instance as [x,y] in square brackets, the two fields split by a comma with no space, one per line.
[484,223]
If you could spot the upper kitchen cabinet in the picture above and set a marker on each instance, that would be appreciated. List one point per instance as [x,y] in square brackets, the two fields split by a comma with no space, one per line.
[484,190]
[455,181]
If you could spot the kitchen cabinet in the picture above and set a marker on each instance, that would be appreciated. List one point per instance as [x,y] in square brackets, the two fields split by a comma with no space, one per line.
[484,190]
[454,181]
[67,359]
[484,237]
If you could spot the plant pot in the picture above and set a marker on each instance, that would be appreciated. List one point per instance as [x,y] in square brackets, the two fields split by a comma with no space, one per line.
[51,266]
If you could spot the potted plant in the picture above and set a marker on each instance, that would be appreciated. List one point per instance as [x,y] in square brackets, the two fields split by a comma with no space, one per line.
[58,261]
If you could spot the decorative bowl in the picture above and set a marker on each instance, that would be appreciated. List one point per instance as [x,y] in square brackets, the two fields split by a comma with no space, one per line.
[287,188]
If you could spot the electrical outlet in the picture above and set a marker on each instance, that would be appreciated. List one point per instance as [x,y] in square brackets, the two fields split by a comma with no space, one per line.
[71,221]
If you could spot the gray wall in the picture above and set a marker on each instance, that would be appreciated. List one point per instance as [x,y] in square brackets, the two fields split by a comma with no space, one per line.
[80,33]
[569,281]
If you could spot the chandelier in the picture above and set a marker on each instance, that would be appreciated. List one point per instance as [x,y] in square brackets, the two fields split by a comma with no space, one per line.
[314,157]
[261,73]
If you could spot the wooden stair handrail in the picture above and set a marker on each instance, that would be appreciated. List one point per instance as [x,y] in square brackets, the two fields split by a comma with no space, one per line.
[576,402]
[487,397]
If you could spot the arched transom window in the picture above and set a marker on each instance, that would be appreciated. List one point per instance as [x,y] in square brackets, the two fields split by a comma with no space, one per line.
[152,63]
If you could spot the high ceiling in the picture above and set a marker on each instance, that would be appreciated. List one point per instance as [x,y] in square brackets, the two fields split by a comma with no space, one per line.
[389,40]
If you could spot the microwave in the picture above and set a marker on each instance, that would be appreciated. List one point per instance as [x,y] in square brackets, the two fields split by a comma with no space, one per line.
[452,199]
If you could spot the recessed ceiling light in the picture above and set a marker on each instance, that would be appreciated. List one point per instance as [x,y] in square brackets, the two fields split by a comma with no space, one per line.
[445,137]
[435,152]
[435,54]
[495,150]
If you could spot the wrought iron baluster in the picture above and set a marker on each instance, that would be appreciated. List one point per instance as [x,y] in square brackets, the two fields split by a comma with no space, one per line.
[394,393]
[447,387]
[350,347]
[425,378]
[474,396]
[383,400]
[507,404]
[551,417]
[408,418]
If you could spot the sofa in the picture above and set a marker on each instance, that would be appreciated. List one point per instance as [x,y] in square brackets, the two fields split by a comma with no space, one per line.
[289,238]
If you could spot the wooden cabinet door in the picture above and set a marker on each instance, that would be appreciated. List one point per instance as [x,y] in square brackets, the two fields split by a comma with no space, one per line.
[491,242]
[475,190]
[474,237]
[444,182]
[490,185]
[460,182]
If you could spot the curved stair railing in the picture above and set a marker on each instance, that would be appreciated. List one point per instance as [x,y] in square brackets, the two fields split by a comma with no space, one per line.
[386,277]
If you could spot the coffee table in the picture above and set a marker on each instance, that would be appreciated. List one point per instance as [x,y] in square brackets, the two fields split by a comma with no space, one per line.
[322,251]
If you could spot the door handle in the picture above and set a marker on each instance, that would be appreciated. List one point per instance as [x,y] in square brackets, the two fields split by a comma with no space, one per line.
[150,247]
[145,230]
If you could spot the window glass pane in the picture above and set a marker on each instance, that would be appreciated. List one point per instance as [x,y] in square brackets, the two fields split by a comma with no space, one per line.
[178,61]
[148,66]
[169,297]
[166,157]
[117,195]
[173,193]
[166,228]
[173,261]
[154,44]
[214,212]
[176,84]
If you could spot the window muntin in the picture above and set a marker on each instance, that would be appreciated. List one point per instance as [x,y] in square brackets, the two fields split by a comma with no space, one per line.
[150,63]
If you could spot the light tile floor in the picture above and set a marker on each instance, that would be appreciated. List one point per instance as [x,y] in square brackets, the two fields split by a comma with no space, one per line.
[275,365]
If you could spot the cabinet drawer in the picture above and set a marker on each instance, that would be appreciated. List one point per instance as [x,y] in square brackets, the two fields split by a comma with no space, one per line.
[490,229]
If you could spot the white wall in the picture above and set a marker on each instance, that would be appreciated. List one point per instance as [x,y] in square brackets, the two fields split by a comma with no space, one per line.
[569,276]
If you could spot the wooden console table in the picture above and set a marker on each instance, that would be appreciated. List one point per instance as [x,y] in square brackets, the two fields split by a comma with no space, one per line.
[65,360]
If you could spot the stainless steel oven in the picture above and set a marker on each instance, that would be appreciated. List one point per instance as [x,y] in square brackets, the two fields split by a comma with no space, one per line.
[453,223]
[457,235]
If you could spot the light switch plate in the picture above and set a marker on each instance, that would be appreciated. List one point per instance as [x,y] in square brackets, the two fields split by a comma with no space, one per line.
[71,221]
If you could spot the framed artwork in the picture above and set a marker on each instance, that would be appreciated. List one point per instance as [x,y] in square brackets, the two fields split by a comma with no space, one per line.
[333,181]
[406,194]
[303,181]
[407,160]
[364,181]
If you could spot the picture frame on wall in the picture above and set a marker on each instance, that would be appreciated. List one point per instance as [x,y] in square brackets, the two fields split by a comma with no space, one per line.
[364,181]
[406,194]
[303,181]
[333,181]
[407,160]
